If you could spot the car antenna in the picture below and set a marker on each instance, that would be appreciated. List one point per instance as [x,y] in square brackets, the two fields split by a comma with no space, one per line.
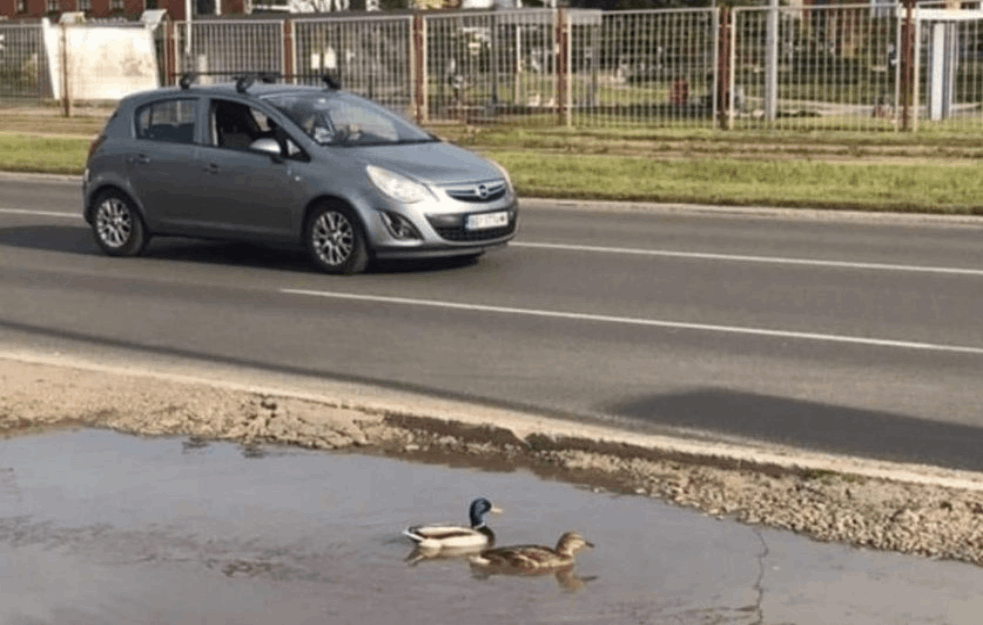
[331,82]
[269,77]
[187,79]
[243,83]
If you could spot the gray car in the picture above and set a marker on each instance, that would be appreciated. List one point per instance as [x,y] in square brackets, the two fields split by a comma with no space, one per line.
[321,168]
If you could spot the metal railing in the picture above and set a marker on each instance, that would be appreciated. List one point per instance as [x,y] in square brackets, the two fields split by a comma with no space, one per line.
[828,66]
[371,56]
[218,48]
[648,67]
[23,64]
[858,67]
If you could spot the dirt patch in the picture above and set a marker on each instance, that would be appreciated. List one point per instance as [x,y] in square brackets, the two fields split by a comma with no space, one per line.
[925,519]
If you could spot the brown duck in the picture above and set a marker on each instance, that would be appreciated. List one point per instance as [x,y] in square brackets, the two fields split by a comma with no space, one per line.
[532,559]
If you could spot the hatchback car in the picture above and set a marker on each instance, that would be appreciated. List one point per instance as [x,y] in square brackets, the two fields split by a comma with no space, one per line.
[322,168]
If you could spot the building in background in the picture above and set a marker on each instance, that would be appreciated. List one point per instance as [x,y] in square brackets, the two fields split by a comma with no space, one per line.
[131,10]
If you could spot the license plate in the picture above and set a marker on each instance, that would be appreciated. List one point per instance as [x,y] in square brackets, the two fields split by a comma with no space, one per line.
[487,220]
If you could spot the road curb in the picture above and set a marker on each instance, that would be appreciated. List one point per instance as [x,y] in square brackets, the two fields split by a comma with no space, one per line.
[557,431]
[810,214]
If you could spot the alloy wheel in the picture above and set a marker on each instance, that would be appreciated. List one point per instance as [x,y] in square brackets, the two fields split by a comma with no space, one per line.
[114,222]
[333,238]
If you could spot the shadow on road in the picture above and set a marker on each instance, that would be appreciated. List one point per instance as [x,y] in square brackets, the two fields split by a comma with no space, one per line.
[813,425]
[78,240]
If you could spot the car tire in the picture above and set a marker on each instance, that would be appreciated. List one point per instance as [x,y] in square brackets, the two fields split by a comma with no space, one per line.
[335,240]
[118,226]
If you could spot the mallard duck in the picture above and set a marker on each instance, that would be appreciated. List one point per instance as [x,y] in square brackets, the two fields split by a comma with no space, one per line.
[457,537]
[531,559]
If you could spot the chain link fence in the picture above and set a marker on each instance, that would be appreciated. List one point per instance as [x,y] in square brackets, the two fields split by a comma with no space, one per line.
[860,67]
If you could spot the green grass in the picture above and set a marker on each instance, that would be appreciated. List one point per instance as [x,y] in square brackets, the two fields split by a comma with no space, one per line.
[955,189]
[889,172]
[53,155]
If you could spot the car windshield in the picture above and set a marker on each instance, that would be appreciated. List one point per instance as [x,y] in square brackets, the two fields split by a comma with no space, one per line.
[339,119]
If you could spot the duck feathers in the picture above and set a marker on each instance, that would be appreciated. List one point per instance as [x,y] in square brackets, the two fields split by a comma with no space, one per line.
[533,558]
[438,536]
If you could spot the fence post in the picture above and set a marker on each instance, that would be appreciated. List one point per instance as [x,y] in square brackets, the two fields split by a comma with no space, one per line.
[907,65]
[418,68]
[562,68]
[65,83]
[289,51]
[170,66]
[724,78]
[771,63]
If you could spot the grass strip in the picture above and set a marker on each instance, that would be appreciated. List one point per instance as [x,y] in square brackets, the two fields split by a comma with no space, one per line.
[856,185]
[50,155]
[863,186]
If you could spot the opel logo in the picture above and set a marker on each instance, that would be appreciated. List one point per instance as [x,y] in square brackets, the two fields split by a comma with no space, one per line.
[482,191]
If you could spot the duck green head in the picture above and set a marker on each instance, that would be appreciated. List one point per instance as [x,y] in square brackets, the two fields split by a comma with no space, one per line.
[479,508]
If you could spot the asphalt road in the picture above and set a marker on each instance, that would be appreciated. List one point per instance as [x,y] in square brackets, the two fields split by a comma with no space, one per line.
[859,337]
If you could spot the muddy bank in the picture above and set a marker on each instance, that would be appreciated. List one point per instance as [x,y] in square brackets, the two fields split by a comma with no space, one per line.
[915,518]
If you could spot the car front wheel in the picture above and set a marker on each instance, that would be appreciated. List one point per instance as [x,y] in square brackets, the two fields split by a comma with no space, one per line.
[118,227]
[335,240]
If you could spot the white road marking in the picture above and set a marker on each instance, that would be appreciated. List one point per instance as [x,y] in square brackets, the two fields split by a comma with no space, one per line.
[778,260]
[748,259]
[21,211]
[675,325]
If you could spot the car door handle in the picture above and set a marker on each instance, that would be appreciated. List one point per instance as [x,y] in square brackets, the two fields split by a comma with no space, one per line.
[211,168]
[139,159]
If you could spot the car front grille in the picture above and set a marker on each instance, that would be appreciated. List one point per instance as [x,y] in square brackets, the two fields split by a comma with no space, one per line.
[456,232]
[478,192]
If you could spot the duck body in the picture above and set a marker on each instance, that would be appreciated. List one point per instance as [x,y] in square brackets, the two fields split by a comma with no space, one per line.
[450,536]
[532,559]
[437,537]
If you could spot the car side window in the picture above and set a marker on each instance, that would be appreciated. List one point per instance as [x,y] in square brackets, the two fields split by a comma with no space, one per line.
[237,126]
[172,121]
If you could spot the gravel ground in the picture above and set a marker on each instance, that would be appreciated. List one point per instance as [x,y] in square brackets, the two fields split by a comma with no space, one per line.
[924,513]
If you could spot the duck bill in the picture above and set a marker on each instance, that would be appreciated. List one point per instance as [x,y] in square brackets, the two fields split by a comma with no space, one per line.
[496,510]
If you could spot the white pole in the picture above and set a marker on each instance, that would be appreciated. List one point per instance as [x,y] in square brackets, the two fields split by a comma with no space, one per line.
[771,63]
[188,66]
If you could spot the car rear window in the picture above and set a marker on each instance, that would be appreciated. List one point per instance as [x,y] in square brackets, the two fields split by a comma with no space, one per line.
[167,120]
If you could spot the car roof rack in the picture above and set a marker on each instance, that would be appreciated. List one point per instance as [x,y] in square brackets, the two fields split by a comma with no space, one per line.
[244,81]
[331,82]
[187,79]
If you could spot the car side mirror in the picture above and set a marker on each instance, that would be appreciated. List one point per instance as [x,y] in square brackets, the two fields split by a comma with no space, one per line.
[268,146]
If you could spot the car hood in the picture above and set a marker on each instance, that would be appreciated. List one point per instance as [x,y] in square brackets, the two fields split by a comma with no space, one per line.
[435,162]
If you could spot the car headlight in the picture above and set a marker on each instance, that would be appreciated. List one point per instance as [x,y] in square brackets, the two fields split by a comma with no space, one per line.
[396,186]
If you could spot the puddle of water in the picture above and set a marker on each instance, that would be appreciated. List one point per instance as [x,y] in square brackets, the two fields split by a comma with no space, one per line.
[101,528]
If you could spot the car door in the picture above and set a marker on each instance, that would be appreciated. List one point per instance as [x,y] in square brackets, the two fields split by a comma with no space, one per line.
[162,164]
[246,191]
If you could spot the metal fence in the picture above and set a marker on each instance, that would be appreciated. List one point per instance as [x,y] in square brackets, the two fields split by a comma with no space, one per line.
[371,56]
[831,66]
[862,67]
[23,64]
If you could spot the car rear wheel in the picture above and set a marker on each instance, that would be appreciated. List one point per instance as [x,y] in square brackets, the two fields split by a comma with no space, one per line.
[118,227]
[335,240]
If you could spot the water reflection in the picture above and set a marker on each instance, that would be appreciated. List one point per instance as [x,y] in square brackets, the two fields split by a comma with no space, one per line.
[421,554]
[96,527]
[565,577]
